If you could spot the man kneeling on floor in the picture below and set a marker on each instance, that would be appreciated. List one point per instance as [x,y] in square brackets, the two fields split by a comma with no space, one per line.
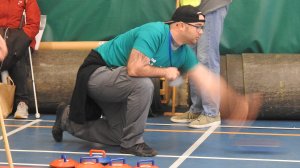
[114,81]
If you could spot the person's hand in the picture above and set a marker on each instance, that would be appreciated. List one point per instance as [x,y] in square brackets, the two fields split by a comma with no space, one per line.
[171,73]
[3,49]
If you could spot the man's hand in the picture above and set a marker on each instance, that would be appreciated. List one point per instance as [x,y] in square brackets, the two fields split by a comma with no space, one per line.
[3,49]
[172,73]
[139,66]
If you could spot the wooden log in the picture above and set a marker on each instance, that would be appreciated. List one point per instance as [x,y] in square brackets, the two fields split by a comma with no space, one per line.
[277,76]
[71,45]
[55,73]
[235,72]
[274,75]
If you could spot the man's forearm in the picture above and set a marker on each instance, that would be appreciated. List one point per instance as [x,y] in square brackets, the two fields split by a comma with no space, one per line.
[148,71]
[139,66]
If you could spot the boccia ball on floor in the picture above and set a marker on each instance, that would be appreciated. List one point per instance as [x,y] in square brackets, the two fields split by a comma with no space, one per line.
[63,162]
[118,163]
[100,155]
[145,164]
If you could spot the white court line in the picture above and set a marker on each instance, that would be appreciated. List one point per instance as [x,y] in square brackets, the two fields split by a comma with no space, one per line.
[159,124]
[27,164]
[64,152]
[187,153]
[235,159]
[162,156]
[21,128]
[246,159]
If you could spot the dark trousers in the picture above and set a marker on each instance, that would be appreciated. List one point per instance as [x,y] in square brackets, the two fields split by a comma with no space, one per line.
[19,74]
[19,71]
[125,103]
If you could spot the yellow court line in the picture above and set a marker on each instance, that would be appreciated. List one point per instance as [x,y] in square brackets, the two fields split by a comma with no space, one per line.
[38,126]
[194,131]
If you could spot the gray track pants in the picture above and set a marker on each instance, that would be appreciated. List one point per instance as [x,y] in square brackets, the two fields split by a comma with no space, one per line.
[125,102]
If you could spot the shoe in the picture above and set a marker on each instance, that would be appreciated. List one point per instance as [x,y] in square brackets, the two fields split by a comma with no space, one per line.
[57,132]
[205,121]
[141,149]
[185,117]
[22,111]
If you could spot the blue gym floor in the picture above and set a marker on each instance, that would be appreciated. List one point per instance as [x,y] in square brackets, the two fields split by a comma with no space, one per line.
[32,145]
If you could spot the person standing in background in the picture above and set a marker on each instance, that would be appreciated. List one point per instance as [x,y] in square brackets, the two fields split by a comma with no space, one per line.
[204,110]
[19,33]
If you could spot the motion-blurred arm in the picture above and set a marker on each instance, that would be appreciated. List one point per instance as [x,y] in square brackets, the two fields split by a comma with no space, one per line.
[236,107]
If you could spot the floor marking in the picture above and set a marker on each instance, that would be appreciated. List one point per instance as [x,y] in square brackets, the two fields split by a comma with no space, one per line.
[235,159]
[229,126]
[8,119]
[186,154]
[26,164]
[34,126]
[162,156]
[246,159]
[21,128]
[172,124]
[190,131]
[64,152]
[230,133]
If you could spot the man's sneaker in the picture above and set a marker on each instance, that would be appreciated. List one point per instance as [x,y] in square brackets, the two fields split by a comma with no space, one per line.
[22,111]
[205,121]
[141,149]
[185,117]
[57,132]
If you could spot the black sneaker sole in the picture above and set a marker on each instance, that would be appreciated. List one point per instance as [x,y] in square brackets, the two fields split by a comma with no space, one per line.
[57,132]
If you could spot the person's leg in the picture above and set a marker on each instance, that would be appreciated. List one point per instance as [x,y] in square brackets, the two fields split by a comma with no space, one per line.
[19,74]
[125,102]
[208,54]
[98,131]
[194,111]
[115,86]
[196,101]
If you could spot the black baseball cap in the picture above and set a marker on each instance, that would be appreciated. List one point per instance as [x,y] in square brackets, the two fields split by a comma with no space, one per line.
[188,14]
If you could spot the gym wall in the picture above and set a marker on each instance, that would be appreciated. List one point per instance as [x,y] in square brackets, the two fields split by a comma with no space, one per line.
[259,26]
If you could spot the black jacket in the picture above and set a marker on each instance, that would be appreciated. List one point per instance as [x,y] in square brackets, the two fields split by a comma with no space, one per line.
[82,107]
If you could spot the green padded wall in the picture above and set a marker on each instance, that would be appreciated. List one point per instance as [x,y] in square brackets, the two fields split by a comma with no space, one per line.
[262,26]
[93,20]
[259,26]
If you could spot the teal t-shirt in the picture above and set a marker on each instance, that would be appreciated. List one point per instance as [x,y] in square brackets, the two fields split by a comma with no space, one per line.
[151,39]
